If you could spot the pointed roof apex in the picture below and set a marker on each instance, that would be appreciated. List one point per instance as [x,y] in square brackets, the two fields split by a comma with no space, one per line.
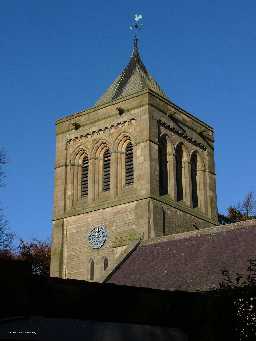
[133,78]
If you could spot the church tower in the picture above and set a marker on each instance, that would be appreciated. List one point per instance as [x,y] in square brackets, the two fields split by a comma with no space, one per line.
[134,167]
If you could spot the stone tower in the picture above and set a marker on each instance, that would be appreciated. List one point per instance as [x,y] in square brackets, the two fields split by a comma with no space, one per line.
[135,166]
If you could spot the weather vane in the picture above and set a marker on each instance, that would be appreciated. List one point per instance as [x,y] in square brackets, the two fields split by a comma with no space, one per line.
[136,25]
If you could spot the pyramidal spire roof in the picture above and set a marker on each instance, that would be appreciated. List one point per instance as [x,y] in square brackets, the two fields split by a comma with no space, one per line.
[133,78]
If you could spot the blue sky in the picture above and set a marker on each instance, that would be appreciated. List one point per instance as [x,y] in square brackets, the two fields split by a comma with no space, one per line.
[58,57]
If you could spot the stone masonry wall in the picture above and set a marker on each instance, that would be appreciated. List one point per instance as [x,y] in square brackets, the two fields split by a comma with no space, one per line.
[122,226]
[168,220]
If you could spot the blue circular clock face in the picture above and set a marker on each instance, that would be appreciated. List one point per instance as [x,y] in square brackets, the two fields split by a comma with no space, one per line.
[97,236]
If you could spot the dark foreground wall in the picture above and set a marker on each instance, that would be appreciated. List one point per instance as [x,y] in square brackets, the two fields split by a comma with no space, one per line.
[72,329]
[34,308]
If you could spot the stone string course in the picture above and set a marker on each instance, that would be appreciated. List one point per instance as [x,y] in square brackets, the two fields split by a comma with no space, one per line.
[182,134]
[102,130]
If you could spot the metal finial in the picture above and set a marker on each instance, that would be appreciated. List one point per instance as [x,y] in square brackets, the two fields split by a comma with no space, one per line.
[135,44]
[136,27]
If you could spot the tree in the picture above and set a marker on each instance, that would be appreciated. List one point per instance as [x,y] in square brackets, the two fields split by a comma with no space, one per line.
[248,206]
[244,210]
[223,219]
[35,252]
[38,254]
[234,215]
[2,163]
[6,236]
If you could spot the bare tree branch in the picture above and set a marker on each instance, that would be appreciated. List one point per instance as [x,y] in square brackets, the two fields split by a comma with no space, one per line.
[6,236]
[2,163]
[248,205]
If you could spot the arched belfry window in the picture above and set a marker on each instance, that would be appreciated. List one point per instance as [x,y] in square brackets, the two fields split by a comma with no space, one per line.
[91,270]
[129,171]
[194,184]
[84,176]
[106,170]
[163,164]
[179,171]
[105,263]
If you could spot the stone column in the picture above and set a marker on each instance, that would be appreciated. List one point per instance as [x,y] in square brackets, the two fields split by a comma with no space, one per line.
[186,180]
[153,166]
[91,180]
[143,171]
[114,174]
[98,177]
[202,190]
[172,186]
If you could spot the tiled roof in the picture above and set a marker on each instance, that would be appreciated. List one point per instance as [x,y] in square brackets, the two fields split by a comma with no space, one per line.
[133,78]
[190,261]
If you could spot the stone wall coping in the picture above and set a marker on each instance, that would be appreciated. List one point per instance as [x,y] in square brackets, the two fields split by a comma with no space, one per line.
[205,231]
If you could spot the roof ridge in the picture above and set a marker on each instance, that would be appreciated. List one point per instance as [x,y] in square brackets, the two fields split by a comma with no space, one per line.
[202,232]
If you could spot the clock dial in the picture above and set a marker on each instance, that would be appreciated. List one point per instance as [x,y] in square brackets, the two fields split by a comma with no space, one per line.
[97,236]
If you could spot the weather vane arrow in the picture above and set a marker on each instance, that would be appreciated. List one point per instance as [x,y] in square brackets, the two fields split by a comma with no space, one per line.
[136,26]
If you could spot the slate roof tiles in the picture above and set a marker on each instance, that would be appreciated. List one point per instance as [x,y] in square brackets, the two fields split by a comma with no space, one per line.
[190,261]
